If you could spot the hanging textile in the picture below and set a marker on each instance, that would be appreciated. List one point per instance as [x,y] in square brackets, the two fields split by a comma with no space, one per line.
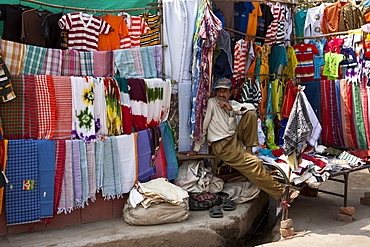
[119,30]
[100,108]
[144,154]
[151,38]
[126,106]
[154,91]
[113,103]
[13,56]
[139,103]
[23,190]
[91,170]
[6,89]
[3,158]
[87,63]
[66,203]
[52,62]
[169,151]
[71,65]
[33,60]
[60,161]
[103,64]
[128,162]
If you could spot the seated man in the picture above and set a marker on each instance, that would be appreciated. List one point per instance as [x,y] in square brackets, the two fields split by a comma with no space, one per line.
[233,143]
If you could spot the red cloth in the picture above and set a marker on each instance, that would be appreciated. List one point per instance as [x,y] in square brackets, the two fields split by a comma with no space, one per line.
[277,152]
[289,98]
[317,162]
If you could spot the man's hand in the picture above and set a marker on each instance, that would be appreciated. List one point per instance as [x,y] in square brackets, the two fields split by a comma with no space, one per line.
[189,153]
[224,105]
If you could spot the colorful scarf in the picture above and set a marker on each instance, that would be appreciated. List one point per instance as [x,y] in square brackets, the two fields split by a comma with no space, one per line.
[46,106]
[83,108]
[113,103]
[67,193]
[19,116]
[139,103]
[154,91]
[128,161]
[87,63]
[103,64]
[71,63]
[23,190]
[46,164]
[60,162]
[63,98]
[100,108]
[169,151]
[13,56]
[52,62]
[126,106]
[33,60]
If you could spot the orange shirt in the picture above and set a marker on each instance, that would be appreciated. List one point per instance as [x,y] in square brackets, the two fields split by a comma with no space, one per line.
[253,21]
[118,31]
[330,17]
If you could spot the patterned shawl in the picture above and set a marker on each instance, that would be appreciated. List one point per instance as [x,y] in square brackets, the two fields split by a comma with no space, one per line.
[113,103]
[23,190]
[71,63]
[100,108]
[154,91]
[126,106]
[63,97]
[33,60]
[87,63]
[52,62]
[103,64]
[83,108]
[46,106]
[13,56]
[139,103]
[19,116]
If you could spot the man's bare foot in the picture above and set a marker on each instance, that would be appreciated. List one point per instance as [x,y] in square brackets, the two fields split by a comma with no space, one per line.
[293,194]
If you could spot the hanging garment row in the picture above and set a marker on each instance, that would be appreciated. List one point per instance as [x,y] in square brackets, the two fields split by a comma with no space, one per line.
[49,177]
[140,62]
[78,31]
[86,108]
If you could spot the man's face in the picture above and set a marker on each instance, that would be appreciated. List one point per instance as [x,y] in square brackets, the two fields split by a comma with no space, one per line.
[223,94]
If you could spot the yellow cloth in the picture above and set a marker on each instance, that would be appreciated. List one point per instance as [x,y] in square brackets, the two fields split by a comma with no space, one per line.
[292,63]
[252,21]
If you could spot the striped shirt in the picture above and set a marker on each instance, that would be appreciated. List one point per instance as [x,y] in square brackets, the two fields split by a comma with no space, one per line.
[304,53]
[151,38]
[136,26]
[84,30]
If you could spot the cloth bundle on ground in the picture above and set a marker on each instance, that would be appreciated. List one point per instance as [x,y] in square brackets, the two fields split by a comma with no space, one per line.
[156,202]
[241,191]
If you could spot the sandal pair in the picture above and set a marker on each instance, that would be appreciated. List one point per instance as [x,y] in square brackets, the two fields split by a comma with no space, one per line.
[228,205]
[215,212]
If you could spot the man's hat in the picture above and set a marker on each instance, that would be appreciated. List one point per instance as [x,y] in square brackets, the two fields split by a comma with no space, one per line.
[222,83]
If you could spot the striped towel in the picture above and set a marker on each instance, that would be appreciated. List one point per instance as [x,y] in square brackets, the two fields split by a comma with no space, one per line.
[111,188]
[46,164]
[19,116]
[46,106]
[149,66]
[87,63]
[83,126]
[144,153]
[104,64]
[154,91]
[71,63]
[124,62]
[139,103]
[138,63]
[126,106]
[52,62]
[128,161]
[33,60]
[113,103]
[84,175]
[169,151]
[13,56]
[67,194]
[77,179]
[99,160]
[158,58]
[350,158]
[63,97]
[100,108]
[60,162]
[3,155]
[22,191]
[91,169]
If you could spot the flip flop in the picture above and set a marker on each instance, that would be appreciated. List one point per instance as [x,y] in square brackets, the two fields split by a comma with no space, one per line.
[215,212]
[228,205]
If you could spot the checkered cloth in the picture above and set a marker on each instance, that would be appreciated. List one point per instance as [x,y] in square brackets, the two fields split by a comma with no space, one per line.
[13,56]
[60,159]
[22,201]
[46,106]
[19,116]
[33,60]
[87,63]
[63,96]
[103,64]
[71,63]
[52,62]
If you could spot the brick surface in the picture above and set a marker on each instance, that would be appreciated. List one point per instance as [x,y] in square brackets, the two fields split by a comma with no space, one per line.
[345,218]
[99,210]
[365,200]
[347,210]
[287,232]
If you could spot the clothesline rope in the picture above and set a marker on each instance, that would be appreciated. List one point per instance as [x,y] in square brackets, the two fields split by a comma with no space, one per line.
[89,10]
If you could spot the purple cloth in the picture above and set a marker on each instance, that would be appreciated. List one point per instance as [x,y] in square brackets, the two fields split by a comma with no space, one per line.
[144,153]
